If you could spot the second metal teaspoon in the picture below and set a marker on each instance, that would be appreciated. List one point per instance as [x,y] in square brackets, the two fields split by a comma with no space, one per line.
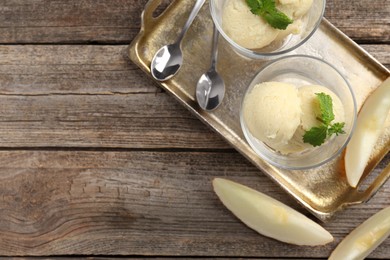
[210,89]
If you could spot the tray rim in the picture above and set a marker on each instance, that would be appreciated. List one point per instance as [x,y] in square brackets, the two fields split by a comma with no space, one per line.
[356,198]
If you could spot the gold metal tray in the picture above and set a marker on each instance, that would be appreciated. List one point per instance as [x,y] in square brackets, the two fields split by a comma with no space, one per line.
[324,190]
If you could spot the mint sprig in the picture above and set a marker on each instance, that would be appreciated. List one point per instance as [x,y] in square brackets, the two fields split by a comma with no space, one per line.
[316,136]
[267,10]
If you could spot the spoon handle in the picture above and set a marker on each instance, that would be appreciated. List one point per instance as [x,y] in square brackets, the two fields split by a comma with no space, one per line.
[194,13]
[214,51]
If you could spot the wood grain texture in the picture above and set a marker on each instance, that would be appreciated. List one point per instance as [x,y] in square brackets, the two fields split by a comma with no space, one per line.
[363,20]
[117,21]
[49,21]
[102,121]
[141,203]
[67,69]
[380,52]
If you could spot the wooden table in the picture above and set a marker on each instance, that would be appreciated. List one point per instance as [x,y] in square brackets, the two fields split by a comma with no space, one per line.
[97,160]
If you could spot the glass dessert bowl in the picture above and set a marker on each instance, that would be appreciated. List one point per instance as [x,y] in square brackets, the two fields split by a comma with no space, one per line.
[283,104]
[251,36]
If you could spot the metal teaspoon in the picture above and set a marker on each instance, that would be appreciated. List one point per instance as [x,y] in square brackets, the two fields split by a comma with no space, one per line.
[210,89]
[168,60]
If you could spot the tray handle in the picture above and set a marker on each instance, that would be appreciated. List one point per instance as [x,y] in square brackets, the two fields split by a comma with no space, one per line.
[147,19]
[148,22]
[376,184]
[370,191]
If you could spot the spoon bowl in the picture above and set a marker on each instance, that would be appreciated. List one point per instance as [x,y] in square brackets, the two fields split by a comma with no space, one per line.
[168,60]
[210,88]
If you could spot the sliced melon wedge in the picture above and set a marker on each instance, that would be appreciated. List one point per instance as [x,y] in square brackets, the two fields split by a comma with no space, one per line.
[365,238]
[370,123]
[268,216]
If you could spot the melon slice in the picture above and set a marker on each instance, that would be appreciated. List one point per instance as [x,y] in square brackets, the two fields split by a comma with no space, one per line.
[365,238]
[268,216]
[370,123]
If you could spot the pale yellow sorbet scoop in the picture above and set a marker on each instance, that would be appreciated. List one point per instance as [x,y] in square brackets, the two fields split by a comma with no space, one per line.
[272,112]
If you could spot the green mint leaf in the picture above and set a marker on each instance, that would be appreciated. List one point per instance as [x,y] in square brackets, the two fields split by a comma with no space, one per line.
[336,128]
[277,19]
[267,10]
[316,135]
[255,6]
[326,107]
[269,5]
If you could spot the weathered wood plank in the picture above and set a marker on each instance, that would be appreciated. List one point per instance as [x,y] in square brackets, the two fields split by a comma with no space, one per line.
[141,203]
[85,69]
[81,69]
[380,52]
[362,20]
[47,21]
[118,21]
[114,121]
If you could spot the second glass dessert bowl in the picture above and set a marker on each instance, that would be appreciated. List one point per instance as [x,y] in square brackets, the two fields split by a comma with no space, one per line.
[311,76]
[308,24]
